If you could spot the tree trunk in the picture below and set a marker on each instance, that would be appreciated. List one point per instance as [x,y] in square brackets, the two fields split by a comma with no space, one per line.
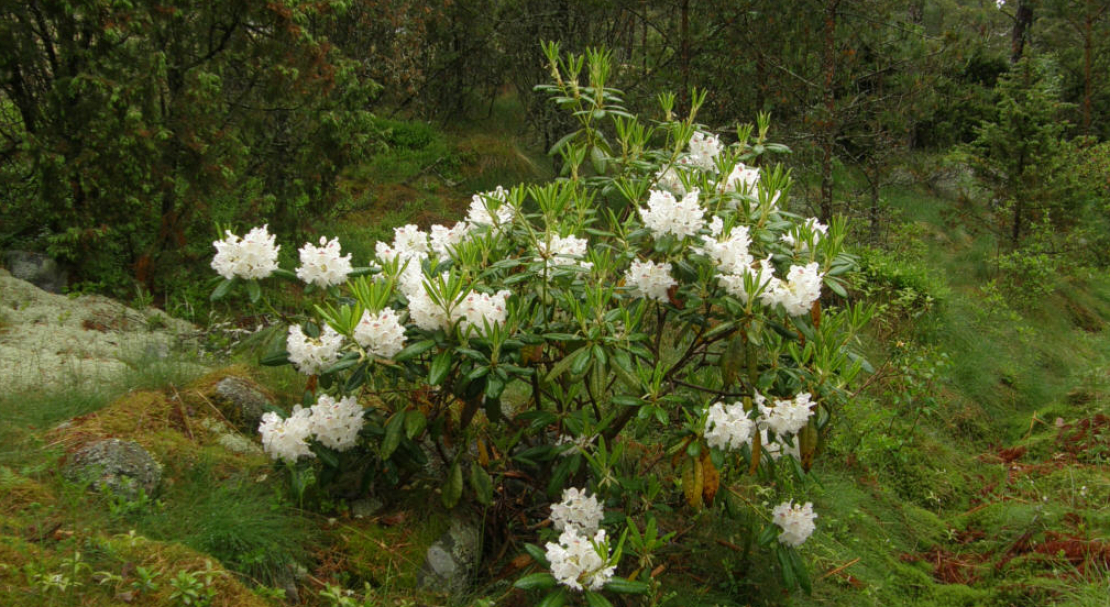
[828,123]
[684,55]
[1023,21]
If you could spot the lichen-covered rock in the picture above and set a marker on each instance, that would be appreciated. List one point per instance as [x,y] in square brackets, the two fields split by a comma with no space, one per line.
[452,559]
[242,402]
[52,342]
[119,467]
[37,269]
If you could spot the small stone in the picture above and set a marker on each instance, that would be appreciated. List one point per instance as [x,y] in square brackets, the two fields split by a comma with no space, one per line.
[242,402]
[37,269]
[452,559]
[366,507]
[120,467]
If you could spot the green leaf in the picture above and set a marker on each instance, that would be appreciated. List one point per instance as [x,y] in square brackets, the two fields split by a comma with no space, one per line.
[538,554]
[439,368]
[275,359]
[222,289]
[286,274]
[393,434]
[800,571]
[348,360]
[452,489]
[836,286]
[562,366]
[556,598]
[623,586]
[254,290]
[328,456]
[415,422]
[536,581]
[482,485]
[788,578]
[594,599]
[414,350]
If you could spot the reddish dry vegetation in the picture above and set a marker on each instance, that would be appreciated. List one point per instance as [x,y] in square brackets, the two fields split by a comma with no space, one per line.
[1085,439]
[1077,443]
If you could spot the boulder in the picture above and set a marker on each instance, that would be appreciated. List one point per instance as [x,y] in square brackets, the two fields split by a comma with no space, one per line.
[120,467]
[37,269]
[451,560]
[242,402]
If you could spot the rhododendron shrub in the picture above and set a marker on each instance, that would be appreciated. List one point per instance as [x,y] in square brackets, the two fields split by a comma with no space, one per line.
[660,291]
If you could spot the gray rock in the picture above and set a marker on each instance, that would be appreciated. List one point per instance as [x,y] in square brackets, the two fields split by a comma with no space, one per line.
[117,466]
[242,402]
[37,269]
[452,559]
[366,507]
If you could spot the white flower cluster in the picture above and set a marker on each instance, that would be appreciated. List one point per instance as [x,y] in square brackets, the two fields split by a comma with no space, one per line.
[730,255]
[797,235]
[780,446]
[666,215]
[255,256]
[577,511]
[313,355]
[409,244]
[743,179]
[335,423]
[382,334]
[796,522]
[580,562]
[490,208]
[445,239]
[563,251]
[649,279]
[787,416]
[704,148]
[324,266]
[287,439]
[762,276]
[728,427]
[476,310]
[796,294]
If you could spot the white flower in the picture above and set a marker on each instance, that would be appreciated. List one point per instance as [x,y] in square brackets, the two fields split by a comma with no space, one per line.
[425,312]
[287,439]
[730,255]
[797,293]
[671,180]
[381,334]
[571,445]
[779,447]
[787,416]
[575,560]
[763,278]
[665,215]
[728,426]
[313,355]
[410,281]
[743,179]
[796,522]
[255,256]
[445,239]
[577,511]
[476,310]
[564,251]
[409,243]
[323,266]
[797,236]
[336,423]
[704,147]
[650,280]
[490,208]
